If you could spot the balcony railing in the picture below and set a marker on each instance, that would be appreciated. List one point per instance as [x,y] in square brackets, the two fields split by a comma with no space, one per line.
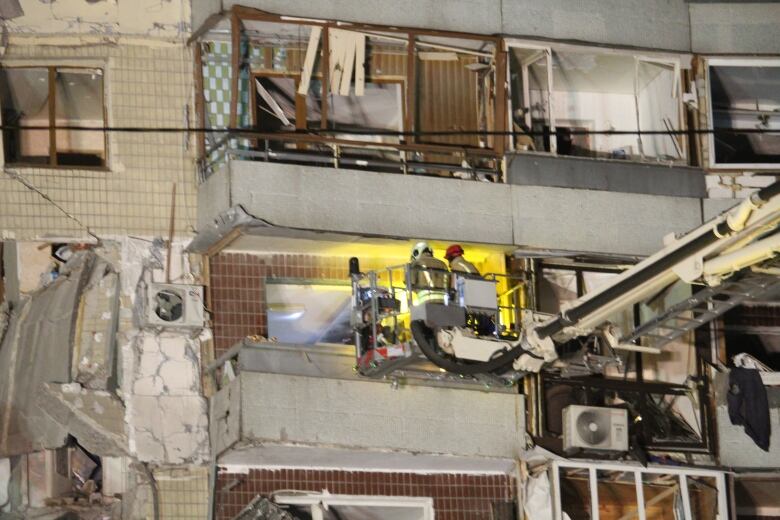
[306,149]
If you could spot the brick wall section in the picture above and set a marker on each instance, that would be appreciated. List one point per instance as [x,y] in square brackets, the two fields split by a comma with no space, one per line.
[455,497]
[237,288]
[144,87]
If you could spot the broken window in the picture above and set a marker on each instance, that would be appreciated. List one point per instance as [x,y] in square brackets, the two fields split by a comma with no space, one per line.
[531,115]
[351,95]
[592,103]
[744,95]
[51,97]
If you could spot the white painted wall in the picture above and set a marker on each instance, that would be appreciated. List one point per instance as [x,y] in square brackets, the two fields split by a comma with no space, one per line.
[148,18]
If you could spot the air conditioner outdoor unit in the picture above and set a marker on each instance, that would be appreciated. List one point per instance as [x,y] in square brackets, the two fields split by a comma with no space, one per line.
[595,428]
[174,305]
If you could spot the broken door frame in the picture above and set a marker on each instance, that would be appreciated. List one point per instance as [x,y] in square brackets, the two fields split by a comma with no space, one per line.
[682,474]
[681,144]
[544,52]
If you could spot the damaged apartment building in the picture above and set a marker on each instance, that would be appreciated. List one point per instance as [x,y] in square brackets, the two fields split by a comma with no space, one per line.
[209,308]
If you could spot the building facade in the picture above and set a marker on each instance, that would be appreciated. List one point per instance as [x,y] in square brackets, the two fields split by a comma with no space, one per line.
[195,248]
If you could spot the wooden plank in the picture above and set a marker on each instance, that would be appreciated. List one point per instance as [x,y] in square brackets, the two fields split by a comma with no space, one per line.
[235,72]
[348,65]
[325,77]
[338,55]
[411,89]
[499,145]
[360,64]
[308,62]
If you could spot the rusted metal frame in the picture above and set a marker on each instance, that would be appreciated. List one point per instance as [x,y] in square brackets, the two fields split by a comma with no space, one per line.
[249,13]
[500,119]
[411,88]
[200,106]
[206,26]
[325,81]
[235,33]
[52,116]
[433,148]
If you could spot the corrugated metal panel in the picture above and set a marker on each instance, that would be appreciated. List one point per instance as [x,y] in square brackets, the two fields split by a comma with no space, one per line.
[447,100]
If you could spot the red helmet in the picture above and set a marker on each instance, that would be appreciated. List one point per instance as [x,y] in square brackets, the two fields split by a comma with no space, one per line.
[453,251]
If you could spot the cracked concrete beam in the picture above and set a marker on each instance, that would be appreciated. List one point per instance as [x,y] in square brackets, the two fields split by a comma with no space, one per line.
[95,418]
[94,345]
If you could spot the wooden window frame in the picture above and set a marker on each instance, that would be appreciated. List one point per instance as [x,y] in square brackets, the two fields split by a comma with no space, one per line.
[52,100]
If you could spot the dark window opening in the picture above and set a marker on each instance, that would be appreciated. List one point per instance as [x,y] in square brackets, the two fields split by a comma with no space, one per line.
[50,97]
[745,97]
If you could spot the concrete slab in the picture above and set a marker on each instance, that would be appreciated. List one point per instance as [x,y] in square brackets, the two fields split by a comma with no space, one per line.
[242,458]
[373,415]
[376,204]
[96,418]
[599,221]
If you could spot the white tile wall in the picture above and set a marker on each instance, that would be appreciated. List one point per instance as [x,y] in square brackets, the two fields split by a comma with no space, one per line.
[145,87]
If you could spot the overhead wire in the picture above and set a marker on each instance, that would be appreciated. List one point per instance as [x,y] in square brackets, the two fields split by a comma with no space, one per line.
[374,132]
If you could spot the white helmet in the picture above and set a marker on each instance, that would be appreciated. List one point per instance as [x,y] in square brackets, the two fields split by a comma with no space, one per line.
[420,248]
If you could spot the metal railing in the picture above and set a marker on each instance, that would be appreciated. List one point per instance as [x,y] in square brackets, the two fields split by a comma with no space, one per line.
[324,151]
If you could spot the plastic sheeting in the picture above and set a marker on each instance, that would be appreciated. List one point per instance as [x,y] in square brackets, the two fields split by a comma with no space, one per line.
[538,498]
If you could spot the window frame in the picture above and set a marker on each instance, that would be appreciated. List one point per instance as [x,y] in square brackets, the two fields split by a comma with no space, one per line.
[319,500]
[548,50]
[731,62]
[682,473]
[52,101]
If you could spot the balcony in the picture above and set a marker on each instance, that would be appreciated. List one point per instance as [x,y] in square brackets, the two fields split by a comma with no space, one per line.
[310,396]
[342,205]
